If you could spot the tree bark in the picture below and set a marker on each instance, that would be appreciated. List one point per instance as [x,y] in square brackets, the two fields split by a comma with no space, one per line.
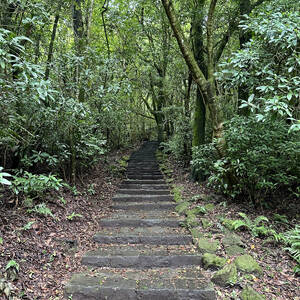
[78,27]
[198,49]
[207,86]
[51,45]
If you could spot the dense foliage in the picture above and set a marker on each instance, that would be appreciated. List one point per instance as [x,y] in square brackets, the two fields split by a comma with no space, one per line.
[83,77]
[260,159]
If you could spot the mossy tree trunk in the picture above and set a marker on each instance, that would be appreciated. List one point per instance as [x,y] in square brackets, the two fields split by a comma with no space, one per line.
[207,85]
[199,121]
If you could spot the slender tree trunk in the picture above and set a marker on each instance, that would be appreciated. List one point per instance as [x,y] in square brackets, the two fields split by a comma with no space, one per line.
[244,37]
[51,45]
[78,27]
[187,109]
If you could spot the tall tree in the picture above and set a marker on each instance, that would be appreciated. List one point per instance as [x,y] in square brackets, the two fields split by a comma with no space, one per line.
[207,85]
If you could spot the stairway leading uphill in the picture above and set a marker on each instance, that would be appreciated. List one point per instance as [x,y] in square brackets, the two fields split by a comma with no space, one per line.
[143,253]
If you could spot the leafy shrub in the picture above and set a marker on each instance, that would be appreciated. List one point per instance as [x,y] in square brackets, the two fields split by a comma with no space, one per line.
[42,209]
[268,66]
[203,158]
[34,186]
[260,158]
[179,143]
[292,240]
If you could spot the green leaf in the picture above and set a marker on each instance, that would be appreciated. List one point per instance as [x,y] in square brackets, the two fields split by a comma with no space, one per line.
[289,96]
[5,181]
[12,264]
[250,99]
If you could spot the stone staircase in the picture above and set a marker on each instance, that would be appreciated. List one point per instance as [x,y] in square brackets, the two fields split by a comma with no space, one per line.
[143,253]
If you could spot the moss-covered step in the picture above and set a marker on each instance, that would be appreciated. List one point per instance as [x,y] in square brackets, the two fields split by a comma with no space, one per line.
[144,205]
[143,191]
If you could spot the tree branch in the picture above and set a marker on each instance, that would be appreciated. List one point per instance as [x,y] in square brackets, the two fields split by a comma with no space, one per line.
[233,25]
[184,47]
[104,10]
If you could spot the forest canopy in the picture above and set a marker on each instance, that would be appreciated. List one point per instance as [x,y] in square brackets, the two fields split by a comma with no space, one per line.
[217,83]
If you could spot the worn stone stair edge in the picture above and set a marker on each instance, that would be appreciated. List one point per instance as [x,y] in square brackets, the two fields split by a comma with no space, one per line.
[144,181]
[143,191]
[139,222]
[150,240]
[144,206]
[122,198]
[83,287]
[142,261]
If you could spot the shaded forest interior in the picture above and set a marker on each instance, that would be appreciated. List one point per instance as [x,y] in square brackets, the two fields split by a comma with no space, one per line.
[216,82]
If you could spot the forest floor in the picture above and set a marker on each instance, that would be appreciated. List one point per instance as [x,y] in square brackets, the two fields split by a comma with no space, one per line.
[278,280]
[48,249]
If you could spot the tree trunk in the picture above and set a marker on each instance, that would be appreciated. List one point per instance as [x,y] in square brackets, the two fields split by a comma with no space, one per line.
[199,120]
[198,49]
[78,27]
[51,45]
[244,37]
[206,86]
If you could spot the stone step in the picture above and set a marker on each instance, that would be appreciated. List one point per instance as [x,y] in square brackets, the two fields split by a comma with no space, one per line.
[143,162]
[134,167]
[149,187]
[144,177]
[143,173]
[141,165]
[130,222]
[142,198]
[149,240]
[144,206]
[132,284]
[145,214]
[126,191]
[152,182]
[142,257]
[154,235]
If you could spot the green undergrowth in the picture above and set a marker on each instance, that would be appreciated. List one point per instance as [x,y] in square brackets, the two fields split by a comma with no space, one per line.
[226,253]
[118,168]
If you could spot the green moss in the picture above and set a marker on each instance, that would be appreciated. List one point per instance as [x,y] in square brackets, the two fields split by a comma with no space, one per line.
[206,245]
[177,193]
[232,239]
[192,221]
[182,207]
[209,207]
[199,210]
[234,250]
[205,223]
[228,223]
[248,264]
[210,260]
[196,234]
[249,293]
[226,276]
